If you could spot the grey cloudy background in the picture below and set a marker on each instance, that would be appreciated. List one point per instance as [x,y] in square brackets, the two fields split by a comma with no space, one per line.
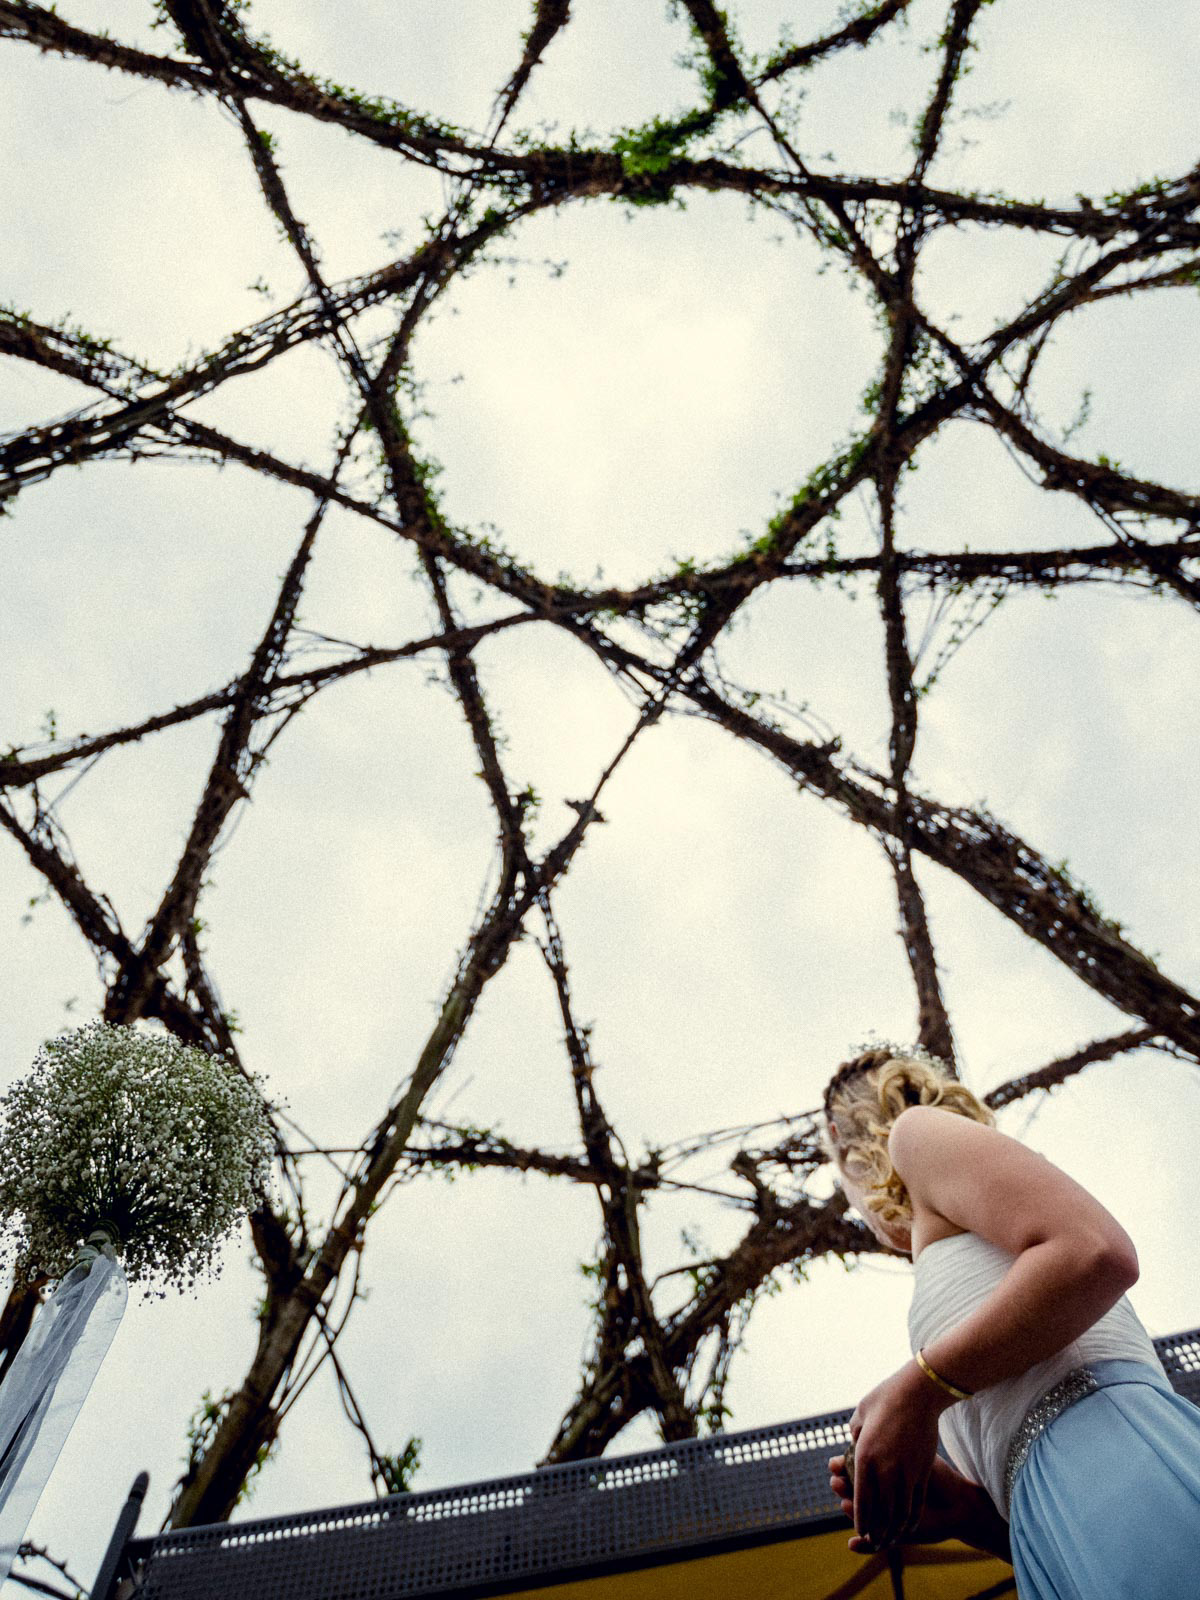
[730,937]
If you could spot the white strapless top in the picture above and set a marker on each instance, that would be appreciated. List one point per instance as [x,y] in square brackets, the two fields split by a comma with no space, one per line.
[953,1276]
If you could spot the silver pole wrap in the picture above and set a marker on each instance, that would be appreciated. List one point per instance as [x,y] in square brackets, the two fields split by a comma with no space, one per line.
[49,1380]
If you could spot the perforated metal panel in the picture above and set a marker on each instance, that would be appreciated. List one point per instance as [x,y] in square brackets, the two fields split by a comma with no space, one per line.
[580,1519]
[1180,1355]
[585,1516]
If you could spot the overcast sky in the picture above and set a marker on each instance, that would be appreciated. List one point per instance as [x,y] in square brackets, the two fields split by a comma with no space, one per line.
[731,938]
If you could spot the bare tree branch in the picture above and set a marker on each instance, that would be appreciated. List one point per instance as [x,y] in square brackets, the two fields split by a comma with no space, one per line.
[1057,1072]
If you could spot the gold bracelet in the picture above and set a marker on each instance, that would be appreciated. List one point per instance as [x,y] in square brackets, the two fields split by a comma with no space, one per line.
[942,1383]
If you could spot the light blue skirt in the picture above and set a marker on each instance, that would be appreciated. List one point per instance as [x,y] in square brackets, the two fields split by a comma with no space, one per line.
[1107,1504]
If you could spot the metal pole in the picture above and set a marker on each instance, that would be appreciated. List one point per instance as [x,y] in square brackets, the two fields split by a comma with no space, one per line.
[109,1574]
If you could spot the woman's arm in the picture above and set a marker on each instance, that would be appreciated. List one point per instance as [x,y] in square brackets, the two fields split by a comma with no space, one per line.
[1073,1259]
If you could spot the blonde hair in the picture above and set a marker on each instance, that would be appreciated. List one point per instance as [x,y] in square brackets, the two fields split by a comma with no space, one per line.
[866,1095]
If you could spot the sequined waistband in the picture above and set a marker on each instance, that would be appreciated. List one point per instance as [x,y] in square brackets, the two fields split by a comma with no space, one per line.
[1077,1385]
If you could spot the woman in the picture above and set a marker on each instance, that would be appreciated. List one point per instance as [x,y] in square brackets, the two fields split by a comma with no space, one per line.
[1028,1360]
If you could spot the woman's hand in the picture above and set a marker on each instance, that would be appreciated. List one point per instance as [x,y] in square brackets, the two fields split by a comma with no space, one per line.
[954,1509]
[895,1437]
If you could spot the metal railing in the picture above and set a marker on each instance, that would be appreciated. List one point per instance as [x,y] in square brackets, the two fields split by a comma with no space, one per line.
[579,1519]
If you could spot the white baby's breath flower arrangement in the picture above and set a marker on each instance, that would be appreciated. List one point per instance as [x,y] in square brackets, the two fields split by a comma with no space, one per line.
[160,1143]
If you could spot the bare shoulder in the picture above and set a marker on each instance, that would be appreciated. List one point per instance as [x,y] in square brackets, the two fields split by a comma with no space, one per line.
[927,1141]
[926,1145]
[924,1131]
[982,1181]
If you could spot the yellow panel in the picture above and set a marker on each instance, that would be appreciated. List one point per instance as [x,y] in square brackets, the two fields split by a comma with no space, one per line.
[815,1568]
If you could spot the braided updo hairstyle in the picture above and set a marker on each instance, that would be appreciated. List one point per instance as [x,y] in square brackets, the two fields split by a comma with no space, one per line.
[865,1096]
